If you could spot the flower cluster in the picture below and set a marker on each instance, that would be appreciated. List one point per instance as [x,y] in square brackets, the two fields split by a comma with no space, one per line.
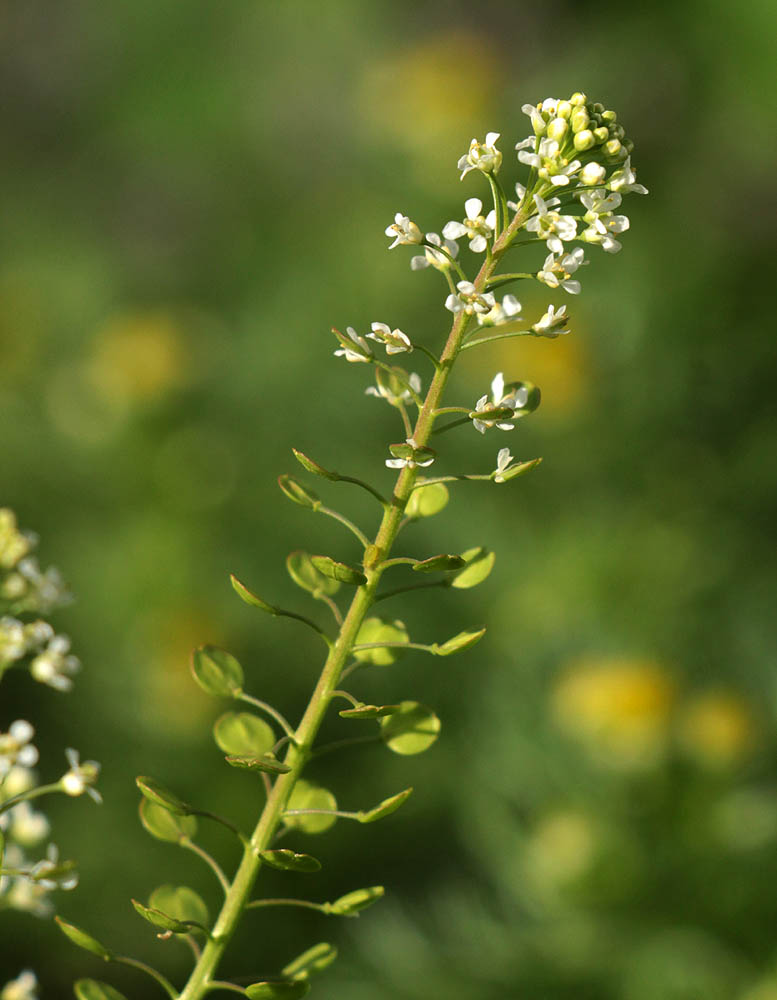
[29,875]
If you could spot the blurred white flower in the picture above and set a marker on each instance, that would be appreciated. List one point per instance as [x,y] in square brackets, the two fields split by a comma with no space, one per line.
[81,777]
[394,341]
[404,232]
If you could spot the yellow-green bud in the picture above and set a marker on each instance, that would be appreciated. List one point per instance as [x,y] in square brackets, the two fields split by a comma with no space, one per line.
[617,131]
[579,120]
[564,109]
[557,129]
[613,147]
[602,133]
[598,107]
[628,145]
[584,140]
[609,116]
[577,99]
[592,173]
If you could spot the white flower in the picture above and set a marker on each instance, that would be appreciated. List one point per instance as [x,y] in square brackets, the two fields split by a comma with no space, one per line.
[360,351]
[389,387]
[80,777]
[394,341]
[24,987]
[550,324]
[476,227]
[624,180]
[404,232]
[13,643]
[409,455]
[601,221]
[503,460]
[520,191]
[514,399]
[26,826]
[551,226]
[537,120]
[435,258]
[500,312]
[15,747]
[549,162]
[54,666]
[469,300]
[557,273]
[482,156]
[592,173]
[51,873]
[19,779]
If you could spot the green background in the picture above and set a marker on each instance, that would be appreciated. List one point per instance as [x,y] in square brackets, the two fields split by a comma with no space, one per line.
[191,194]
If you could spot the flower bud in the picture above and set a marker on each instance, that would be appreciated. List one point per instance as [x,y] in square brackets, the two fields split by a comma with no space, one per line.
[617,131]
[592,173]
[613,147]
[602,133]
[564,109]
[584,140]
[609,116]
[598,107]
[577,99]
[580,119]
[557,129]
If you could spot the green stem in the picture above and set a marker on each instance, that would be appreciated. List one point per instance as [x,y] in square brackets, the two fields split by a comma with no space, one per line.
[299,751]
[306,903]
[32,793]
[211,862]
[273,713]
[498,336]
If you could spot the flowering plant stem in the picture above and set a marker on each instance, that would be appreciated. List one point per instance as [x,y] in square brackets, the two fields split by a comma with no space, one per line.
[300,748]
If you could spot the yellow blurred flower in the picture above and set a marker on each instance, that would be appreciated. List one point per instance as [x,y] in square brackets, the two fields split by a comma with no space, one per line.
[139,356]
[561,850]
[619,709]
[765,990]
[718,729]
[432,96]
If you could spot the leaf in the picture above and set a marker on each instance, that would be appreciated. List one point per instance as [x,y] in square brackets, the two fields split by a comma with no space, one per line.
[311,466]
[290,990]
[289,861]
[309,796]
[250,598]
[479,562]
[315,959]
[91,989]
[368,711]
[338,571]
[305,575]
[386,807]
[164,825]
[411,730]
[297,493]
[162,796]
[268,764]
[242,734]
[376,630]
[426,501]
[217,672]
[459,642]
[160,919]
[439,564]
[353,902]
[84,940]
[180,903]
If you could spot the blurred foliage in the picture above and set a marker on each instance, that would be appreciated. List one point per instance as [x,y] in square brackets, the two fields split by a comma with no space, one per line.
[191,194]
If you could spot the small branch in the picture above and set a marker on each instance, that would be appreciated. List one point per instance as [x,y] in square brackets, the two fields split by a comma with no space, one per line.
[405,419]
[411,586]
[32,793]
[435,360]
[505,279]
[339,744]
[452,424]
[399,561]
[210,861]
[218,984]
[135,963]
[365,486]
[273,713]
[391,645]
[196,951]
[348,697]
[498,336]
[306,903]
[337,516]
[331,605]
